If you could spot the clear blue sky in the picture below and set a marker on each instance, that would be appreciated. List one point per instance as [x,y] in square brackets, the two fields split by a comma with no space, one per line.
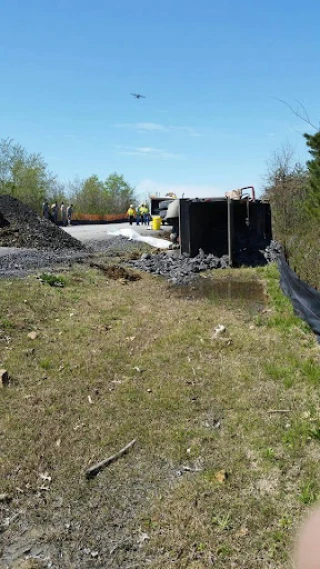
[210,71]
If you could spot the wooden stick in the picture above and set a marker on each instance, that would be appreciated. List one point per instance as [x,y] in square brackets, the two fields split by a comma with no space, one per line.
[280,411]
[93,470]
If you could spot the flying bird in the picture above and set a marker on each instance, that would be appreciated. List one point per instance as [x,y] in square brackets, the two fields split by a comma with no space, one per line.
[137,95]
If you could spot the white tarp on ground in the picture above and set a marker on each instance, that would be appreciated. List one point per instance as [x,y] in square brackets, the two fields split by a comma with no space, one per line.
[134,236]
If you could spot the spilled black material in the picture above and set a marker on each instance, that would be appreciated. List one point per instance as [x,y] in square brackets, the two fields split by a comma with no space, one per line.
[305,299]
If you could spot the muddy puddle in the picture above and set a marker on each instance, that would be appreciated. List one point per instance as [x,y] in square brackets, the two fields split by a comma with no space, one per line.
[229,290]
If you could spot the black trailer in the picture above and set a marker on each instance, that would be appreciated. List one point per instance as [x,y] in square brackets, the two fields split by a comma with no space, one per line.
[223,226]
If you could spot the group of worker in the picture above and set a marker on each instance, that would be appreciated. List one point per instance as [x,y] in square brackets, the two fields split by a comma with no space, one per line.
[140,215]
[56,213]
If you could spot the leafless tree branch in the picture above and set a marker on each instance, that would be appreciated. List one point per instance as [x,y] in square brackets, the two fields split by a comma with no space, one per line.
[305,118]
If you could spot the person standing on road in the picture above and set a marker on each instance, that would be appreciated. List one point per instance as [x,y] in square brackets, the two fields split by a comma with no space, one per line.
[139,217]
[147,216]
[45,209]
[130,214]
[55,212]
[63,211]
[69,213]
[144,214]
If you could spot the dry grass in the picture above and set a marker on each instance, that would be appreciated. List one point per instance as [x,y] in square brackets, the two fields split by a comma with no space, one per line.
[115,361]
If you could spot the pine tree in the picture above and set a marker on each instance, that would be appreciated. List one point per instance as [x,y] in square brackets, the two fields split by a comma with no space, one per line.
[313,191]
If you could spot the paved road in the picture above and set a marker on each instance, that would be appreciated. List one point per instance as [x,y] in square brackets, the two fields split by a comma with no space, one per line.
[100,232]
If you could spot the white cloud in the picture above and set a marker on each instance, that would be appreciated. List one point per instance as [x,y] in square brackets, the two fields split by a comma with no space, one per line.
[149,126]
[158,127]
[149,151]
[145,187]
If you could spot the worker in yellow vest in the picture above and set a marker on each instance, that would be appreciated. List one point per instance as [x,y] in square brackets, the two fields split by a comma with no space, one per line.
[131,213]
[144,214]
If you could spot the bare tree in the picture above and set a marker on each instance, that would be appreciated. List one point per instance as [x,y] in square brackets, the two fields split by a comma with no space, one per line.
[286,185]
[300,111]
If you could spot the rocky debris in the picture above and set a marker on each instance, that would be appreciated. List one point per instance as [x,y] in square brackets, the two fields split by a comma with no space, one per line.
[179,269]
[33,335]
[20,226]
[4,378]
[273,252]
[220,329]
[15,262]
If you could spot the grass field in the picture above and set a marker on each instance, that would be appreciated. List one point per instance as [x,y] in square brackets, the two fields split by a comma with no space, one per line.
[227,427]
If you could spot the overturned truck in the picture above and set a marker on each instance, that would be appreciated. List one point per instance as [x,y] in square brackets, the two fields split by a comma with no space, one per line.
[237,226]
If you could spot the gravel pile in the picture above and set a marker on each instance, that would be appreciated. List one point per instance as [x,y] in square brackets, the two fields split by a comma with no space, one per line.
[16,262]
[179,269]
[20,226]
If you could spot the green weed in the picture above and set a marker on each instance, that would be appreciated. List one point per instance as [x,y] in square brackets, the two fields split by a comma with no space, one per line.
[53,280]
[308,493]
[45,363]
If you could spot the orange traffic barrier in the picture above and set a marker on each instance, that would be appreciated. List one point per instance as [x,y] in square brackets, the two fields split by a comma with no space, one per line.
[95,217]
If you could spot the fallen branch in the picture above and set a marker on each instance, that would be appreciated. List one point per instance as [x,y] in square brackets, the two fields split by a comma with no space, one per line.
[94,470]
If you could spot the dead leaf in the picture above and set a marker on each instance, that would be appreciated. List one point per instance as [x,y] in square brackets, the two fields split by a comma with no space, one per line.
[58,443]
[242,532]
[221,476]
[90,400]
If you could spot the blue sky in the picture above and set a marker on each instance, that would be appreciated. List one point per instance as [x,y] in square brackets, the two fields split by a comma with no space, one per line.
[211,72]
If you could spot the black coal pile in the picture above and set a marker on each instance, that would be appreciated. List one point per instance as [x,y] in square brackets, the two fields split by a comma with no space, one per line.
[272,253]
[179,269]
[20,226]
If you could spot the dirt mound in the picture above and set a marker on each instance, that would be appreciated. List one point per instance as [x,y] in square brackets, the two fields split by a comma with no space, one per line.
[20,226]
[116,273]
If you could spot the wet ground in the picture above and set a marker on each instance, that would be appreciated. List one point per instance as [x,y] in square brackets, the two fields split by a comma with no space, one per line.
[230,290]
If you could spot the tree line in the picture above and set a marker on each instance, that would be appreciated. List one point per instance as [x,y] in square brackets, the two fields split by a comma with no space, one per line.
[26,176]
[293,190]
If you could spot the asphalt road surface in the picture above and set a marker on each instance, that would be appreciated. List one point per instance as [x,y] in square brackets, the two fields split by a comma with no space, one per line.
[101,232]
